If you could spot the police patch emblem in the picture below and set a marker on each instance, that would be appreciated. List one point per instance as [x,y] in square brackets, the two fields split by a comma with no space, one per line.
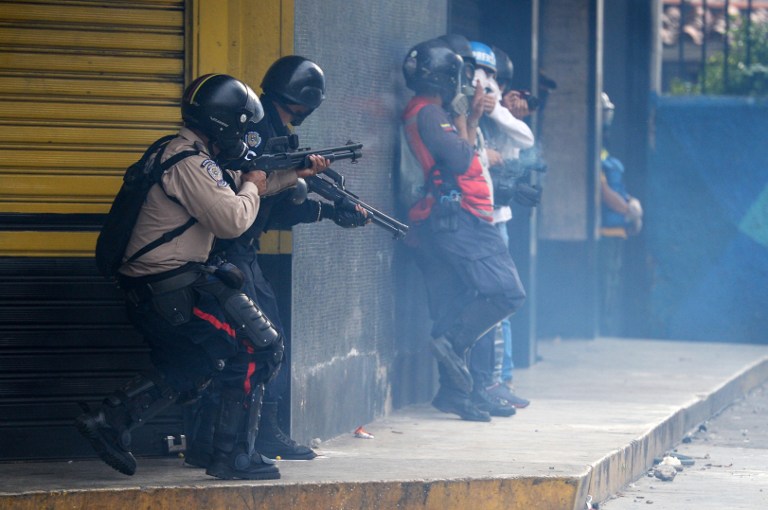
[252,139]
[214,172]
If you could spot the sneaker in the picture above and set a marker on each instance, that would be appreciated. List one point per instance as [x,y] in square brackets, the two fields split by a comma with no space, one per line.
[490,404]
[461,406]
[503,392]
[455,366]
[105,441]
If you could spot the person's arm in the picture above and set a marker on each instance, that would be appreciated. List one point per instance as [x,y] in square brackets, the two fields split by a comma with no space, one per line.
[611,198]
[517,132]
[467,125]
[285,214]
[197,183]
[451,152]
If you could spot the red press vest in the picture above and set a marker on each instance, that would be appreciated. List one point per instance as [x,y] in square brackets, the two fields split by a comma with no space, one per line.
[475,193]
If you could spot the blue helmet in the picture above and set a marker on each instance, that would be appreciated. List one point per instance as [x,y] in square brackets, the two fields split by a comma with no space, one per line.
[484,56]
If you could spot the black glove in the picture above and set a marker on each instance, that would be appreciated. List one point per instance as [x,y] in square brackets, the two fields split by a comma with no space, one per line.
[344,214]
[527,195]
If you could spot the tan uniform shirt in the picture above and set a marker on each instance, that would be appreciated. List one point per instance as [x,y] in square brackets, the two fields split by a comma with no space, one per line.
[197,183]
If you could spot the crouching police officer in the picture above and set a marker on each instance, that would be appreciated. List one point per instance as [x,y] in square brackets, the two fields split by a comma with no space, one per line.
[202,330]
[293,87]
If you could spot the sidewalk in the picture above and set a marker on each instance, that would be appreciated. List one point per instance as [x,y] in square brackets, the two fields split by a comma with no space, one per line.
[601,411]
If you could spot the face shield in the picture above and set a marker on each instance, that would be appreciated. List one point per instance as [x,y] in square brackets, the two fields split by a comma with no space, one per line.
[458,101]
[467,78]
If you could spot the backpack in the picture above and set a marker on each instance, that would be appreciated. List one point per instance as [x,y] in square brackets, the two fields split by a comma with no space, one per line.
[118,225]
[410,175]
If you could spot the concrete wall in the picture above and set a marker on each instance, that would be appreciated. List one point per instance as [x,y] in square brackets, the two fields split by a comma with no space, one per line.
[570,52]
[353,356]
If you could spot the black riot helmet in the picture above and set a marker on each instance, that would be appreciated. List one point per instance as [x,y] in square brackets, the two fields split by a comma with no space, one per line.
[505,69]
[221,106]
[431,67]
[463,48]
[295,80]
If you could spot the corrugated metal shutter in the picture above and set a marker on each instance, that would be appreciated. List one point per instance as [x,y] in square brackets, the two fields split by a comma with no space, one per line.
[85,86]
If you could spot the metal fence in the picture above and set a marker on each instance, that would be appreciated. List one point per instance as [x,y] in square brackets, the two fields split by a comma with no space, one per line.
[714,46]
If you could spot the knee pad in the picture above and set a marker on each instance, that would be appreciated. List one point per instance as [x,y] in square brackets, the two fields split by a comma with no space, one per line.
[250,320]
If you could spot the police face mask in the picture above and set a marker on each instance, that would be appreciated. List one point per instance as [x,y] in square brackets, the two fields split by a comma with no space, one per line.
[299,116]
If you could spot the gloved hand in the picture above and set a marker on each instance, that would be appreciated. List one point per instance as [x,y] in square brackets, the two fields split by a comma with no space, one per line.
[634,210]
[345,214]
[634,216]
[527,195]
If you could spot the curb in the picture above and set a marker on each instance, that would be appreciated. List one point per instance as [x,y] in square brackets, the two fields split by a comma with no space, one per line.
[609,474]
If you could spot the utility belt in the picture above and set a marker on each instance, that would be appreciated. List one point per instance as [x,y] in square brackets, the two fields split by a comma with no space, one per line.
[139,290]
[171,295]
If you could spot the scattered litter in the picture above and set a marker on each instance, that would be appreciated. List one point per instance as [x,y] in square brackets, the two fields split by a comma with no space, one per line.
[396,432]
[315,443]
[665,472]
[361,433]
[672,461]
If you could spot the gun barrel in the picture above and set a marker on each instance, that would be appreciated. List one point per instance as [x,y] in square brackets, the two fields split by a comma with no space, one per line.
[331,191]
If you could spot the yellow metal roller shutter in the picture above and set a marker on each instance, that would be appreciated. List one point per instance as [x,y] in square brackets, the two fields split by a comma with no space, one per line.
[85,86]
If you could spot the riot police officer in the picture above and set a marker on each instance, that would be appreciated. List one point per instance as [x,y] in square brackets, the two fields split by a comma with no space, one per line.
[201,329]
[293,87]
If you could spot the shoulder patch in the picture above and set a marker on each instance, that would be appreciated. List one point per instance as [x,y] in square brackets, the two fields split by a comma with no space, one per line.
[214,172]
[252,139]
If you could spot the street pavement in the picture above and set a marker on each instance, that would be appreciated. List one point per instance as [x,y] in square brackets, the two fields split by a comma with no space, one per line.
[730,470]
[600,411]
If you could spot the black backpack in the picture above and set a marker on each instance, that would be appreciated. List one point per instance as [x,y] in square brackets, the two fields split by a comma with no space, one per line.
[118,226]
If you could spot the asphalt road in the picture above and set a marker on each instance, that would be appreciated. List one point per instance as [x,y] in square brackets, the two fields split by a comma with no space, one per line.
[730,471]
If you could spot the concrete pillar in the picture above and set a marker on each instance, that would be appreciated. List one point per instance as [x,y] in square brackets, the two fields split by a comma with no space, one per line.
[571,53]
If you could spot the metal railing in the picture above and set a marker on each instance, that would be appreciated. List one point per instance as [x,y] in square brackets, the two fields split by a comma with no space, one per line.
[698,34]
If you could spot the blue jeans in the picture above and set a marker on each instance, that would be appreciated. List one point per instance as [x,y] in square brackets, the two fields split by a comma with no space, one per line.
[506,328]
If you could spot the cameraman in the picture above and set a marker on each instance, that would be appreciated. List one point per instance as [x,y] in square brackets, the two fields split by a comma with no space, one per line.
[505,134]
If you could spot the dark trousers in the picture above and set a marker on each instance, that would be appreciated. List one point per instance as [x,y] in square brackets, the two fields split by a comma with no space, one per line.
[205,348]
[261,292]
[472,282]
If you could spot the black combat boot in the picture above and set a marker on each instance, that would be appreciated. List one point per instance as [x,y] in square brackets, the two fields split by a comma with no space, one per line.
[272,442]
[453,360]
[456,402]
[236,427]
[109,429]
[200,434]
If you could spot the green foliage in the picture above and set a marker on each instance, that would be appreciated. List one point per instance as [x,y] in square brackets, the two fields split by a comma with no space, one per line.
[742,79]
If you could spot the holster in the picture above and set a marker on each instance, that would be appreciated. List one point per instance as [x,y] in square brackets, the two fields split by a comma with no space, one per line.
[445,213]
[172,297]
